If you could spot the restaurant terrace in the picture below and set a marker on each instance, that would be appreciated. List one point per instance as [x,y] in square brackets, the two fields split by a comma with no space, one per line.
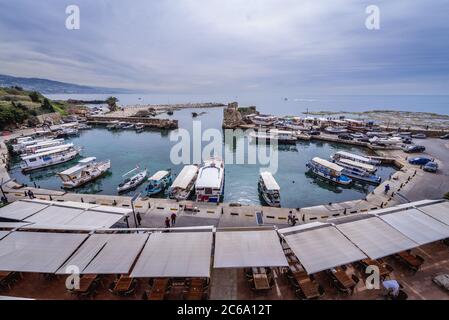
[43,242]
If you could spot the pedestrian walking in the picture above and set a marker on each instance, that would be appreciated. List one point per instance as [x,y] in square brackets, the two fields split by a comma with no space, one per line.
[139,218]
[173,219]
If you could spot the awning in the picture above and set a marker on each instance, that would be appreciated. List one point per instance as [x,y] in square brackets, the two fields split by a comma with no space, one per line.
[417,226]
[375,237]
[41,252]
[322,248]
[117,255]
[238,249]
[439,211]
[20,210]
[175,254]
[4,234]
[13,225]
[54,215]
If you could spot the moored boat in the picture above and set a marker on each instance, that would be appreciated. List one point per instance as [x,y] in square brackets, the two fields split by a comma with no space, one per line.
[182,187]
[328,170]
[209,185]
[133,181]
[263,120]
[269,189]
[139,127]
[336,130]
[159,182]
[113,125]
[354,157]
[49,158]
[362,175]
[85,171]
[350,164]
[281,136]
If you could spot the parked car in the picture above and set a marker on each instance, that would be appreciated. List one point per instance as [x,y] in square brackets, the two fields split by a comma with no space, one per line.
[446,136]
[431,167]
[345,137]
[357,135]
[364,139]
[406,140]
[314,132]
[442,280]
[419,160]
[414,149]
[419,136]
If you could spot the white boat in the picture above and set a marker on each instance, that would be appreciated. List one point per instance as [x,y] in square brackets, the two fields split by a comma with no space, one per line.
[139,127]
[394,141]
[209,185]
[354,157]
[113,125]
[336,130]
[269,189]
[328,170]
[182,187]
[42,146]
[127,126]
[158,182]
[49,158]
[22,143]
[133,181]
[86,170]
[263,120]
[346,163]
[281,136]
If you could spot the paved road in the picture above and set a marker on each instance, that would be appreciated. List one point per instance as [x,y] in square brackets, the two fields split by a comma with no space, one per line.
[431,185]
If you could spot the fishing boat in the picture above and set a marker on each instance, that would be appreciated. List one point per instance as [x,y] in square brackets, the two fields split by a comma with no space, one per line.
[85,171]
[133,181]
[182,187]
[67,132]
[355,157]
[362,175]
[113,125]
[335,130]
[350,164]
[42,146]
[269,189]
[281,136]
[158,182]
[49,158]
[328,170]
[209,185]
[394,141]
[263,120]
[22,143]
[126,126]
[139,127]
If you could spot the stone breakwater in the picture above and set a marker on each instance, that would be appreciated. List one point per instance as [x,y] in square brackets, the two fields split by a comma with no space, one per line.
[148,122]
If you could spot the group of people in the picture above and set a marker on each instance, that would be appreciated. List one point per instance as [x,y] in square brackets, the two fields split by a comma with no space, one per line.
[170,222]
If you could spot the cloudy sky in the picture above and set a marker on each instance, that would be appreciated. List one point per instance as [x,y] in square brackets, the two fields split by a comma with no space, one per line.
[216,46]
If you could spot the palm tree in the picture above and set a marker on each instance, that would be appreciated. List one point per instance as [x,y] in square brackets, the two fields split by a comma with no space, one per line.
[112,103]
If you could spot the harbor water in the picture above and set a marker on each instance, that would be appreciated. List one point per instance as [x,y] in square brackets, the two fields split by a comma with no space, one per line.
[151,149]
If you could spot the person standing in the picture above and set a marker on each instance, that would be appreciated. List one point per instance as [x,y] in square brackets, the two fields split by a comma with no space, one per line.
[139,218]
[173,219]
[167,222]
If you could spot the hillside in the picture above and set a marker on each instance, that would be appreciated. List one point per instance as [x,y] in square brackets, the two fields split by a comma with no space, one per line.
[18,106]
[53,87]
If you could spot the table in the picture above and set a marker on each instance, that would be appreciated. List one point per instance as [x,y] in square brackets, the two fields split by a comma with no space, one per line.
[158,289]
[344,280]
[308,287]
[383,271]
[123,284]
[412,261]
[86,282]
[261,281]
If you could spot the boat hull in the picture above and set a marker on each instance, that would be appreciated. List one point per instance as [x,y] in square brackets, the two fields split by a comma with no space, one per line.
[64,159]
[337,180]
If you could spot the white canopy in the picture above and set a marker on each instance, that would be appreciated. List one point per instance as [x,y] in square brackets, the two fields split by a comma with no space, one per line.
[20,210]
[327,164]
[54,215]
[364,166]
[185,177]
[238,249]
[175,254]
[3,233]
[159,175]
[439,211]
[117,255]
[301,227]
[417,226]
[269,181]
[12,225]
[322,248]
[375,237]
[42,252]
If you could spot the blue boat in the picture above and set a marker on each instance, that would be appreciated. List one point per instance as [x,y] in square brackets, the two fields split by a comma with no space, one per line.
[158,182]
[328,170]
[362,175]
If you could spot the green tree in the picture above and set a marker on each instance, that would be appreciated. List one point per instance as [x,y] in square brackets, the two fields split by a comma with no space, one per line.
[112,103]
[446,196]
[46,105]
[34,96]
